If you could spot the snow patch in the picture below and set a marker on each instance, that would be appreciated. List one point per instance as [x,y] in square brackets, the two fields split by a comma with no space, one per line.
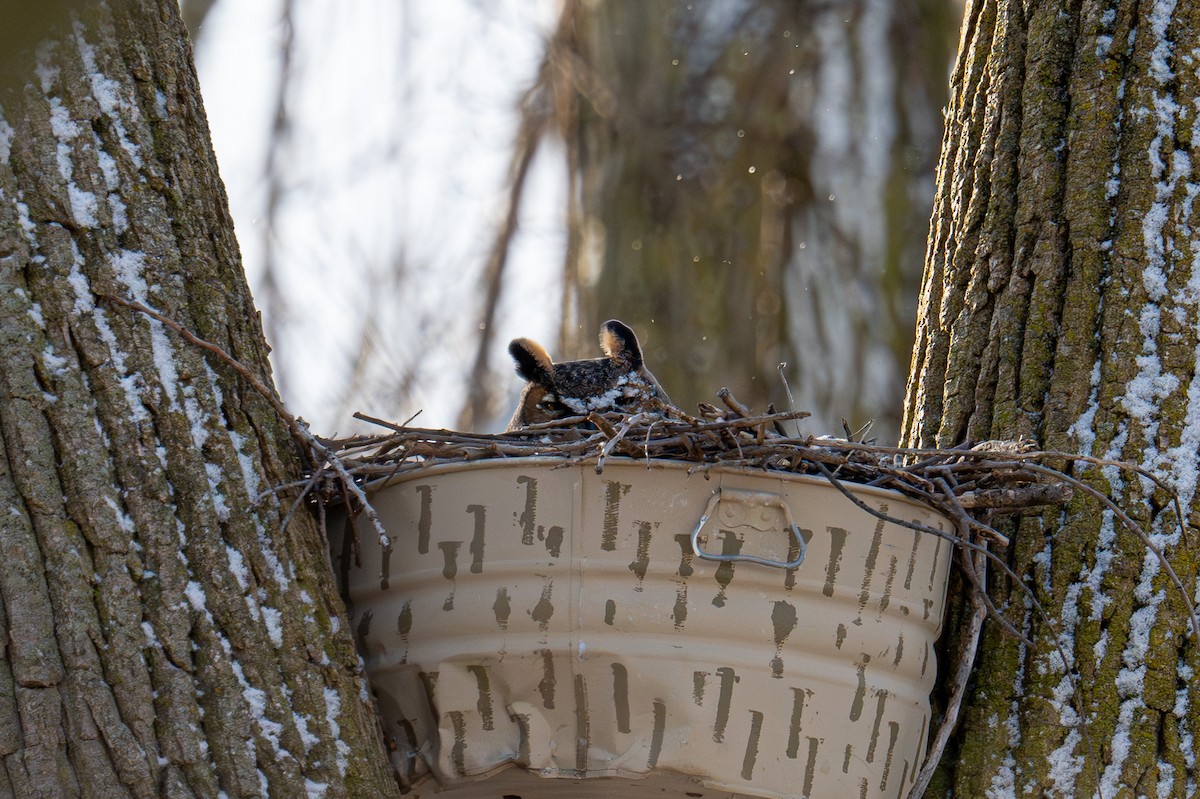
[333,709]
[6,137]
[237,566]
[196,596]
[83,203]
[256,700]
[271,618]
[109,97]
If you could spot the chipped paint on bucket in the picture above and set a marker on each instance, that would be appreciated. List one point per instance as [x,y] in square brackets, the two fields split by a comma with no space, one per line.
[532,614]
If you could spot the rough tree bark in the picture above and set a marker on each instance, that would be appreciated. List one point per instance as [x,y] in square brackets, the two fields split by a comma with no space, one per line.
[1061,301]
[163,630]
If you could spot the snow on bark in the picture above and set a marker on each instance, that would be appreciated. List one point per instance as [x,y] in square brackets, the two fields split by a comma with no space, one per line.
[1061,301]
[170,636]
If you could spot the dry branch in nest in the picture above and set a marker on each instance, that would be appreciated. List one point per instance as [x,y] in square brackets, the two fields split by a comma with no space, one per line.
[968,485]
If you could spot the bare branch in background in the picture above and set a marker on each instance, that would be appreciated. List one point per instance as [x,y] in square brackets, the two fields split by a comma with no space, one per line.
[535,110]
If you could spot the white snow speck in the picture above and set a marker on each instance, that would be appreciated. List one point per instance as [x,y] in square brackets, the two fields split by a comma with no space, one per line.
[333,709]
[271,618]
[237,565]
[196,596]
[220,506]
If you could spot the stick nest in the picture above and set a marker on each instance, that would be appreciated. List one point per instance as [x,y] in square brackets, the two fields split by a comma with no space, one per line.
[966,483]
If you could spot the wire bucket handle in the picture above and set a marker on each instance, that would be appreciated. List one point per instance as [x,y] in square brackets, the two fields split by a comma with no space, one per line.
[749,509]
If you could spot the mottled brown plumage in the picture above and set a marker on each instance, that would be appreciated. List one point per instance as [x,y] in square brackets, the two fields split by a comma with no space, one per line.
[618,381]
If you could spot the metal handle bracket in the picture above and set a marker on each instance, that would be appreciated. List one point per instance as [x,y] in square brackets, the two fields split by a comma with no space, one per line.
[750,500]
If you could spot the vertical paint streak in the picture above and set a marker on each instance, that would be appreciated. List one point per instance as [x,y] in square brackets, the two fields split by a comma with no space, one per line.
[528,516]
[657,732]
[919,753]
[730,545]
[887,585]
[642,563]
[613,491]
[810,766]
[546,685]
[893,736]
[679,612]
[862,788]
[789,576]
[544,608]
[724,702]
[841,636]
[937,553]
[748,760]
[794,726]
[484,703]
[912,558]
[846,759]
[699,678]
[684,540]
[899,650]
[429,680]
[476,547]
[864,594]
[385,565]
[425,520]
[582,726]
[925,659]
[364,625]
[554,541]
[458,752]
[404,626]
[610,611]
[837,545]
[904,775]
[860,693]
[449,568]
[621,696]
[879,707]
[522,720]
[783,618]
[502,608]
[450,558]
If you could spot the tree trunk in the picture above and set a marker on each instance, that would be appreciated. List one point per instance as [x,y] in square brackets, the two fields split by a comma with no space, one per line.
[1061,301]
[168,621]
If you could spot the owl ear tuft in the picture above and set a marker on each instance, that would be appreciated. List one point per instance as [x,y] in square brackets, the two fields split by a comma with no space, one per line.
[533,362]
[619,342]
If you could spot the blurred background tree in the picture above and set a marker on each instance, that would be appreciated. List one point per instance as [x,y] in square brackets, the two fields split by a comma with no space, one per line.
[746,183]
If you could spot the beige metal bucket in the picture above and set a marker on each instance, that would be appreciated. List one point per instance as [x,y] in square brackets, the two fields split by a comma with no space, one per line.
[729,633]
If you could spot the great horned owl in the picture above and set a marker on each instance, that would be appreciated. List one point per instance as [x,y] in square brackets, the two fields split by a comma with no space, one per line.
[619,381]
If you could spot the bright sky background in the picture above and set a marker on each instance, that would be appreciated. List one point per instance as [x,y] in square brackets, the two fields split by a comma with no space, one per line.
[403,122]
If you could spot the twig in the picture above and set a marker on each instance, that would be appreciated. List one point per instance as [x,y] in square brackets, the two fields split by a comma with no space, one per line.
[298,428]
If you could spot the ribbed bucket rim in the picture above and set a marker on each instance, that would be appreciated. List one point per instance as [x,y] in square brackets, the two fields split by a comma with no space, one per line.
[554,463]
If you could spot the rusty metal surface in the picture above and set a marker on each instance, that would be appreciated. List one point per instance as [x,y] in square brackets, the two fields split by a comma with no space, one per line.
[562,622]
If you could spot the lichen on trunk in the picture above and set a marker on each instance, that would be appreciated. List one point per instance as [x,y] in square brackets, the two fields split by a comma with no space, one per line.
[165,632]
[1060,302]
